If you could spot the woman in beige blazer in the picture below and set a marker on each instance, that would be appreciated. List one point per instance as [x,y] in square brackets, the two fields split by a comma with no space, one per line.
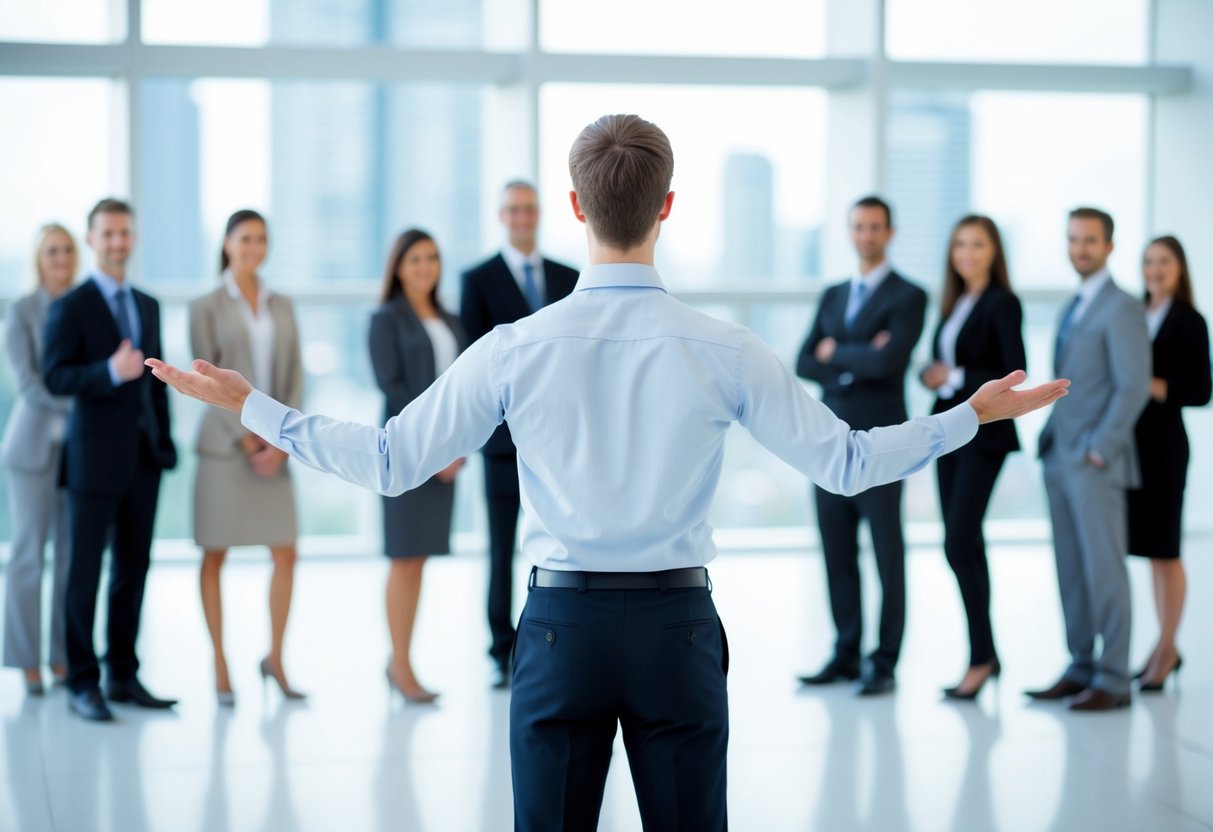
[32,450]
[243,495]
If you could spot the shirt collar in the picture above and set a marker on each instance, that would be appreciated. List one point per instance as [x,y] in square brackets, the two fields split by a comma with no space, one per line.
[619,275]
[875,277]
[515,259]
[108,285]
[1089,288]
[233,290]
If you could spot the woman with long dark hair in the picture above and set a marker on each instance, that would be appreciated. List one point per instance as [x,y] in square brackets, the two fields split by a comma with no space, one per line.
[1181,378]
[243,494]
[412,342]
[979,338]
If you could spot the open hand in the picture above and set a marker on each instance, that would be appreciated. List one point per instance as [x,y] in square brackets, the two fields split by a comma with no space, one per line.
[997,399]
[127,361]
[206,383]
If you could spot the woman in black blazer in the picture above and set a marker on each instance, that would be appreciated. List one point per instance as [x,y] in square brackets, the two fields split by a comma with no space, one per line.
[413,340]
[979,338]
[1181,378]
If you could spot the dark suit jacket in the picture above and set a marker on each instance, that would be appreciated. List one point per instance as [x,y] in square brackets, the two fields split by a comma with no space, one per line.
[864,386]
[104,433]
[402,354]
[491,297]
[1181,357]
[989,346]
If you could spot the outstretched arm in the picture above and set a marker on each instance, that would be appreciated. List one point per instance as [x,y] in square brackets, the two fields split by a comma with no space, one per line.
[449,420]
[803,432]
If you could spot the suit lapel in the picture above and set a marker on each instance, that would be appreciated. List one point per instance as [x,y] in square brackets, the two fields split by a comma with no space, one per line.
[1084,323]
[101,310]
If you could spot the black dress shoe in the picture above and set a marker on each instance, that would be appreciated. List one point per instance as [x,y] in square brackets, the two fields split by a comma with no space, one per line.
[878,684]
[136,694]
[89,705]
[1063,688]
[833,672]
[1094,699]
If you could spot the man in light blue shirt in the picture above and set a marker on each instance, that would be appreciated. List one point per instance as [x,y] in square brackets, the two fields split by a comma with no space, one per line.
[619,399]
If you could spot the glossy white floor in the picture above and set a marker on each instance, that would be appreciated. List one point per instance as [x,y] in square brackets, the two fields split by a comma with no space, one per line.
[353,759]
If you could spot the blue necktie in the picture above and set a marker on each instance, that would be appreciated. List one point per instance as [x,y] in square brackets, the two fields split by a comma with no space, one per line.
[1063,332]
[855,302]
[530,288]
[123,317]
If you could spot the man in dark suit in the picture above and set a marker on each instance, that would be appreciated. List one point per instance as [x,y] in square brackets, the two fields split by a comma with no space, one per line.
[118,443]
[858,351]
[508,286]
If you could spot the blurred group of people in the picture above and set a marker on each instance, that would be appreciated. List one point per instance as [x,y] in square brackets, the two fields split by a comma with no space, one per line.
[1115,458]
[89,438]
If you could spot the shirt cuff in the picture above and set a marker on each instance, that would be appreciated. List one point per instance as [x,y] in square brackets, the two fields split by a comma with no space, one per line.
[264,416]
[956,378]
[115,379]
[959,426]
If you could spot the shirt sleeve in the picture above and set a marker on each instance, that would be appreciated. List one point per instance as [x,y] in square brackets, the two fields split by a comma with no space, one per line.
[785,419]
[452,418]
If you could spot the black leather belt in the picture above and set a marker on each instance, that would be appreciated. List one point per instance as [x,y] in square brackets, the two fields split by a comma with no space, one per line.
[696,576]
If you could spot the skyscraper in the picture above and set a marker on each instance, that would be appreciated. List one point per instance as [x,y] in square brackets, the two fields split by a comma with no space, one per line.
[749,217]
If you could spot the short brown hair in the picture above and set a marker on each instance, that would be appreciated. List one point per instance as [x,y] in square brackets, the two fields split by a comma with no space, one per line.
[621,166]
[110,205]
[1105,219]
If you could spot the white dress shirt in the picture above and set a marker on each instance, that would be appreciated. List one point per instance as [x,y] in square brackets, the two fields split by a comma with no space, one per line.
[260,326]
[516,260]
[948,334]
[1155,317]
[618,398]
[446,348]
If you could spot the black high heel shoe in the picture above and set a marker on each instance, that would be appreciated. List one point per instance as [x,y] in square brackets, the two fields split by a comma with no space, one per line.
[967,696]
[1155,687]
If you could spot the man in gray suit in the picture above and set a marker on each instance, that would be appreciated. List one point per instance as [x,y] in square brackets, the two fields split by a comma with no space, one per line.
[1090,460]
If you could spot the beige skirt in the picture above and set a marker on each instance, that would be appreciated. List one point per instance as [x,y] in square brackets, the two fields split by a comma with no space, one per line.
[235,507]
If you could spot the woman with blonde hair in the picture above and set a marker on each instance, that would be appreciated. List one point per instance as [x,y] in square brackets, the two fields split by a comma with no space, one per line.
[32,450]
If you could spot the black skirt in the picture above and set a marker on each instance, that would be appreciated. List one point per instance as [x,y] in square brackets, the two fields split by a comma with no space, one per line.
[418,522]
[1156,509]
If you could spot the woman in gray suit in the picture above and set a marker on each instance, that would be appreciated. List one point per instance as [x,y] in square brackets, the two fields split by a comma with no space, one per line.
[243,495]
[413,340]
[32,449]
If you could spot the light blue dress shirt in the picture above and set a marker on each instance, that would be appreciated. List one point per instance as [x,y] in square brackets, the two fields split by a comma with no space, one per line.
[109,290]
[618,398]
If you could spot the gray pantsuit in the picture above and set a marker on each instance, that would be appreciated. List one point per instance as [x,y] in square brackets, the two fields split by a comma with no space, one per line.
[1107,357]
[32,449]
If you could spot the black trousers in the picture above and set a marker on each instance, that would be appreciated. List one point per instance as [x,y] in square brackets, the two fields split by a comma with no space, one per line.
[838,519]
[501,489]
[587,663]
[966,481]
[124,520]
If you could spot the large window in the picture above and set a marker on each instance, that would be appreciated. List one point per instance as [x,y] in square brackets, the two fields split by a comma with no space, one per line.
[413,23]
[748,178]
[346,122]
[1030,31]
